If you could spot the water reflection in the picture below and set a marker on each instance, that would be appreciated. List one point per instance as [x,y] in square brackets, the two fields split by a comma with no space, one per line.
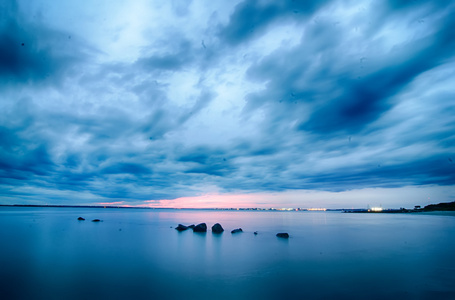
[49,254]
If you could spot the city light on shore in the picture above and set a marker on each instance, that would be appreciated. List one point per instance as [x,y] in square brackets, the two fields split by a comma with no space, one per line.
[375,209]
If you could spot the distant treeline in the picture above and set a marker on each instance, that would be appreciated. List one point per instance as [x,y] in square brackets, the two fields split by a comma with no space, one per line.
[441,206]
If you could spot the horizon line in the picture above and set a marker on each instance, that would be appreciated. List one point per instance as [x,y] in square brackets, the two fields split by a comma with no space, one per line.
[190,208]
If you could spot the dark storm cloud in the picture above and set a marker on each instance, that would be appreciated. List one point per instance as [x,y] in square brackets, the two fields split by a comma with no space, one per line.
[32,52]
[365,99]
[126,168]
[22,152]
[249,165]
[252,18]
[318,73]
[207,161]
[180,56]
[107,165]
[430,170]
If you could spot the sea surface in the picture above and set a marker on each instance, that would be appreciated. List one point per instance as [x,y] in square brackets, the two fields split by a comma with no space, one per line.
[46,253]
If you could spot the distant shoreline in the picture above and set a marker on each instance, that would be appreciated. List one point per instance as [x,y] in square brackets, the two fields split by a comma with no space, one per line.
[174,208]
[440,207]
[71,206]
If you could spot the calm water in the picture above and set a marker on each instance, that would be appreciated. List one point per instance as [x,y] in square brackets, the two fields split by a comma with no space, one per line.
[45,253]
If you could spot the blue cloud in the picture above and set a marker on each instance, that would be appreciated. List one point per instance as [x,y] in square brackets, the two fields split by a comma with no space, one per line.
[252,18]
[127,168]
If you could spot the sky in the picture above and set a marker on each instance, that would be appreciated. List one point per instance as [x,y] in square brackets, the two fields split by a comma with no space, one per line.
[227,103]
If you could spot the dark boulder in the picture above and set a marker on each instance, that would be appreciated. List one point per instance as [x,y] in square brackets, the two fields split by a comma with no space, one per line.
[255,233]
[283,235]
[181,227]
[237,230]
[200,228]
[96,220]
[191,226]
[217,228]
[81,219]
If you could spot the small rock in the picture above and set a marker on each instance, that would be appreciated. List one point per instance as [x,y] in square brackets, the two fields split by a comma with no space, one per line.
[217,228]
[96,220]
[237,230]
[181,227]
[255,233]
[200,228]
[80,219]
[283,235]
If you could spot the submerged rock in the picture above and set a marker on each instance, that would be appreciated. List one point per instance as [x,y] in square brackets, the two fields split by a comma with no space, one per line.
[96,220]
[181,227]
[200,228]
[237,230]
[217,228]
[81,219]
[255,233]
[283,235]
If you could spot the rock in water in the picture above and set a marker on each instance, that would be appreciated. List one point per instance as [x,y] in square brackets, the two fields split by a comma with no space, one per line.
[181,227]
[191,226]
[283,235]
[200,228]
[96,220]
[81,219]
[217,228]
[237,230]
[255,233]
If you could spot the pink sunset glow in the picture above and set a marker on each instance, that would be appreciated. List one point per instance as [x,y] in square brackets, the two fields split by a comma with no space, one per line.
[208,201]
[298,199]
